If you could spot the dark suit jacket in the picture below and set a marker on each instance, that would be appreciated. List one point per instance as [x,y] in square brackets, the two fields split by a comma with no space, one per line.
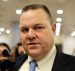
[62,62]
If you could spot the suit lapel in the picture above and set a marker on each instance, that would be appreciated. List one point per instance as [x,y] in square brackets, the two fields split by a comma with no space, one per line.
[61,63]
[18,62]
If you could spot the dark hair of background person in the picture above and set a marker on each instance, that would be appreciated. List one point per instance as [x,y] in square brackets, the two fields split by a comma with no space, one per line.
[16,49]
[39,6]
[6,45]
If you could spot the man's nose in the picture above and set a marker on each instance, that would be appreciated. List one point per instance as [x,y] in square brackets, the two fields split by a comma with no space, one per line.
[31,34]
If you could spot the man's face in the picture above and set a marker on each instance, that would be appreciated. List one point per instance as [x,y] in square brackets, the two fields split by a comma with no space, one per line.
[36,33]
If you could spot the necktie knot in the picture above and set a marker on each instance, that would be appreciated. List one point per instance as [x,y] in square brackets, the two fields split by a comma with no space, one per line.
[33,65]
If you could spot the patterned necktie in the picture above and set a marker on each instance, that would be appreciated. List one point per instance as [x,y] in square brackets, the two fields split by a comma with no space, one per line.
[33,65]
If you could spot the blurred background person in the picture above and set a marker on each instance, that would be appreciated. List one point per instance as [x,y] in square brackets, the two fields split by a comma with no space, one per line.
[4,51]
[5,56]
[18,50]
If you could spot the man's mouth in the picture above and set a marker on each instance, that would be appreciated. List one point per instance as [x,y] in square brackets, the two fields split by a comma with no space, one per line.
[32,43]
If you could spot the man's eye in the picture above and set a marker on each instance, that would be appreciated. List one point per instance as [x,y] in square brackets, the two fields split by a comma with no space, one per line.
[38,28]
[24,30]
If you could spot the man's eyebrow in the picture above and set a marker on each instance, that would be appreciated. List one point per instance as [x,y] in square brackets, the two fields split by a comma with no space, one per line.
[37,24]
[22,26]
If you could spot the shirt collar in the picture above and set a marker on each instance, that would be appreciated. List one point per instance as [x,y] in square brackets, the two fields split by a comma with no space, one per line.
[50,56]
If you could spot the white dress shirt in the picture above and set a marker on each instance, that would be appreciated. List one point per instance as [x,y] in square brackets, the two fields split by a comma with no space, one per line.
[44,64]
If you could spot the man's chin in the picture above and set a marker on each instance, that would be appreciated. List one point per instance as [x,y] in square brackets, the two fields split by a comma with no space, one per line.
[33,54]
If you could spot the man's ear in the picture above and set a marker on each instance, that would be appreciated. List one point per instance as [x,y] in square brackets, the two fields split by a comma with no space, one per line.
[54,27]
